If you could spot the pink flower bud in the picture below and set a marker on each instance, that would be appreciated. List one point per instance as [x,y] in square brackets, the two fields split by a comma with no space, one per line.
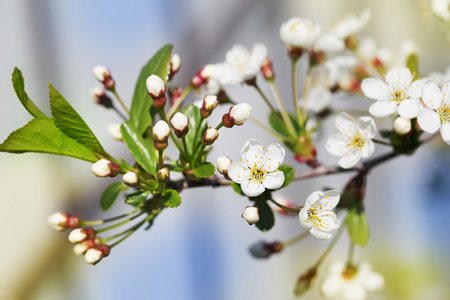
[223,163]
[237,115]
[61,221]
[163,175]
[99,96]
[175,64]
[180,124]
[251,214]
[202,76]
[81,248]
[95,254]
[161,132]
[130,178]
[103,74]
[264,249]
[209,104]
[157,89]
[104,168]
[267,69]
[210,136]
[81,234]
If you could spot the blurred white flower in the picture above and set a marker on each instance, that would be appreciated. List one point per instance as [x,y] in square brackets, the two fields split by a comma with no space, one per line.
[318,99]
[316,215]
[441,78]
[437,113]
[441,8]
[353,139]
[329,43]
[351,24]
[298,32]
[258,168]
[351,283]
[398,93]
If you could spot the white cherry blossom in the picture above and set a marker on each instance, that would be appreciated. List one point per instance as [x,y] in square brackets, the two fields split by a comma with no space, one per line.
[437,113]
[397,93]
[240,64]
[441,8]
[317,215]
[258,168]
[298,32]
[351,24]
[350,282]
[352,140]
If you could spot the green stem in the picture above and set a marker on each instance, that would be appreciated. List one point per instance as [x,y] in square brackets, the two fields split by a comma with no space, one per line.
[198,155]
[186,150]
[282,108]
[292,210]
[99,222]
[296,239]
[306,86]
[351,251]
[132,230]
[119,224]
[295,91]
[270,131]
[219,126]
[180,100]
[381,142]
[275,113]
[119,113]
[330,247]
[171,135]
[120,101]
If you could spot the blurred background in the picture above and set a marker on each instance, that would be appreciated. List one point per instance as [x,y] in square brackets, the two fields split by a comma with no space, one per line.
[200,249]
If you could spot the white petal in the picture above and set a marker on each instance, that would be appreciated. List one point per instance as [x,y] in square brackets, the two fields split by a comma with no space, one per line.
[252,152]
[321,235]
[399,79]
[351,159]
[445,132]
[375,88]
[252,188]
[366,127]
[383,108]
[337,144]
[273,180]
[368,149]
[313,198]
[446,92]
[345,124]
[415,90]
[274,157]
[331,199]
[303,216]
[432,95]
[409,108]
[238,172]
[332,285]
[429,120]
[353,291]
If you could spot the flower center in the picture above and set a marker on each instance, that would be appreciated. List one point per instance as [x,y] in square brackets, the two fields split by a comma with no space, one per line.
[444,113]
[349,273]
[313,217]
[357,142]
[257,174]
[399,96]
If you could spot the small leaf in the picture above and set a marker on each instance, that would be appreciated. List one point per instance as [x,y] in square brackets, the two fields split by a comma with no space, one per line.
[136,199]
[70,122]
[174,167]
[237,188]
[159,65]
[19,87]
[110,195]
[171,198]
[289,173]
[204,170]
[41,135]
[193,114]
[142,151]
[412,63]
[266,217]
[280,127]
[358,227]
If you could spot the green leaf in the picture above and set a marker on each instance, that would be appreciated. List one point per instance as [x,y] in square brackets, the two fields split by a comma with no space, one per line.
[70,122]
[159,65]
[136,199]
[289,173]
[19,87]
[41,135]
[110,195]
[193,113]
[171,198]
[358,227]
[204,170]
[266,217]
[174,167]
[237,188]
[280,127]
[142,151]
[412,63]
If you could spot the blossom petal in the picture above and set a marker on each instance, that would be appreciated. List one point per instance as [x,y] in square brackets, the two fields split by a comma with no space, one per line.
[370,280]
[368,149]
[429,120]
[345,124]
[383,108]
[415,90]
[367,127]
[432,95]
[252,152]
[409,108]
[375,88]
[331,199]
[274,157]
[238,172]
[351,159]
[321,235]
[399,79]
[252,188]
[303,217]
[273,180]
[445,132]
[337,144]
[313,198]
[353,291]
[446,92]
[332,285]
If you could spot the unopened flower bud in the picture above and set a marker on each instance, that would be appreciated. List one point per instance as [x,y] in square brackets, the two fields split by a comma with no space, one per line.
[99,96]
[304,281]
[210,136]
[237,115]
[103,74]
[95,254]
[264,249]
[81,234]
[61,221]
[163,175]
[115,131]
[175,93]
[267,69]
[81,248]
[202,76]
[402,126]
[283,200]
[157,89]
[209,104]
[223,163]
[104,168]
[251,214]
[175,64]
[161,132]
[130,178]
[180,124]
